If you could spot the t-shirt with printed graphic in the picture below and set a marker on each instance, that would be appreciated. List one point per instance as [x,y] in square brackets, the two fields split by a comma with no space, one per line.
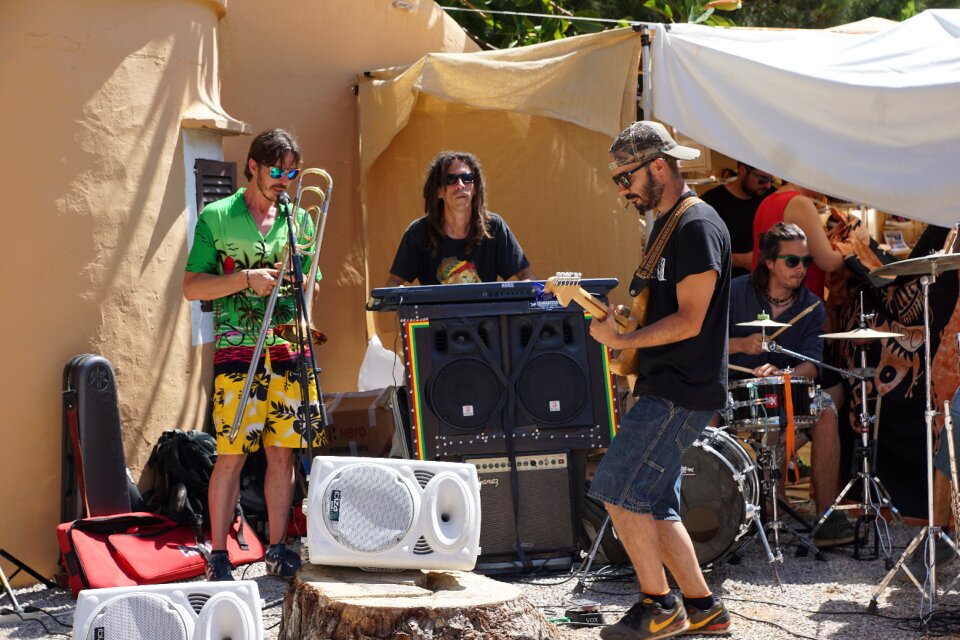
[451,263]
[226,240]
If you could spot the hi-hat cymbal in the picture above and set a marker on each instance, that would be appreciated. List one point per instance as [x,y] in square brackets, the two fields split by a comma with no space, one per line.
[924,265]
[861,334]
[765,322]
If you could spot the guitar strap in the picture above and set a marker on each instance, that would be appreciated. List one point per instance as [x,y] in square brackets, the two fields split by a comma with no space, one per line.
[647,266]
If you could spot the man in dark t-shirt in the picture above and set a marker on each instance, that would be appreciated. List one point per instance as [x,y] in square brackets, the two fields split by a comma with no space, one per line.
[682,384]
[736,202]
[457,241]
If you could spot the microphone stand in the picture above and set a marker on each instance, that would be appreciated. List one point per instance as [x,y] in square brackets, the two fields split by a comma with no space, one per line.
[291,258]
[304,338]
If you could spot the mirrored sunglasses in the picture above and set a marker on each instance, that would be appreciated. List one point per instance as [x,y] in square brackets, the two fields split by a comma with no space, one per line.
[793,261]
[453,178]
[276,173]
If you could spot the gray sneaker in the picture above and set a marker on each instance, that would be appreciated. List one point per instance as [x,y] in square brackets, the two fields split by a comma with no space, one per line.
[836,530]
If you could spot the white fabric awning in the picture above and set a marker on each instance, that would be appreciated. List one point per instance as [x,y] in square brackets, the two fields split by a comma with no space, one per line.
[873,119]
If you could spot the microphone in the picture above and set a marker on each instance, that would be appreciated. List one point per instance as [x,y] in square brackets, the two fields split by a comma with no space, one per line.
[283,198]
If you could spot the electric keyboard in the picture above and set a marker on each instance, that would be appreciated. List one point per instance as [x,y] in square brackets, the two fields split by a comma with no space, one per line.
[391,298]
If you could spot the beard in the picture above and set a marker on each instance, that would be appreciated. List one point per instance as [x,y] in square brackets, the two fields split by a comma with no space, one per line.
[649,196]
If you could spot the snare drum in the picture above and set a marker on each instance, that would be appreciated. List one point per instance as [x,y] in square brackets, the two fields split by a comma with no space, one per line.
[719,482]
[756,404]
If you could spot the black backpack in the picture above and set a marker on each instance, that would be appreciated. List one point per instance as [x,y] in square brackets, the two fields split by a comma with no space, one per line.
[181,463]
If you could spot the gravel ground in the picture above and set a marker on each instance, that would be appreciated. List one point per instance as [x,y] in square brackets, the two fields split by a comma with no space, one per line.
[820,599]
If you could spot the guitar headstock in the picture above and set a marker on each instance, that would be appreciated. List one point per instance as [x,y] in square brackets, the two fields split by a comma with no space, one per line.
[565,286]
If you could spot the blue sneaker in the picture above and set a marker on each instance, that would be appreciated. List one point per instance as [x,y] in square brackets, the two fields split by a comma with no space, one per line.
[218,567]
[281,561]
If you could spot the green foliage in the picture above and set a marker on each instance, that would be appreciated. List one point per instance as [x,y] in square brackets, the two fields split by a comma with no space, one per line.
[498,31]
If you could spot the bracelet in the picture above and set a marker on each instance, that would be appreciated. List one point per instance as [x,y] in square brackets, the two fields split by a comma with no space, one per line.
[246,272]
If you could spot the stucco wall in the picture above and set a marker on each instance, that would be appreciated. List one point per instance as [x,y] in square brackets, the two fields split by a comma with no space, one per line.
[95,94]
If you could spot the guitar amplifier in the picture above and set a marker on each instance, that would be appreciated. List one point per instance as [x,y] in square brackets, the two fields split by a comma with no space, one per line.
[546,506]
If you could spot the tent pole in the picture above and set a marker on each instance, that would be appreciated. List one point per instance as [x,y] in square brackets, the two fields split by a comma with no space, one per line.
[646,95]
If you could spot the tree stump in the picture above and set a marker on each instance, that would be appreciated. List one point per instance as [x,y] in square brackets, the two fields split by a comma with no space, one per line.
[338,603]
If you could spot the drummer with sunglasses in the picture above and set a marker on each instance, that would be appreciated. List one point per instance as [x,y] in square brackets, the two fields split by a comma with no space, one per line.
[457,241]
[776,287]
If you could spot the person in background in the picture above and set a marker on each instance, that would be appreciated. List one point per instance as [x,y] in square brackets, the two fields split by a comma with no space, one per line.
[458,240]
[736,202]
[776,287]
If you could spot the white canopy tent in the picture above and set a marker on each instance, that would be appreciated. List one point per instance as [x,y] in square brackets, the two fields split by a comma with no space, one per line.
[873,119]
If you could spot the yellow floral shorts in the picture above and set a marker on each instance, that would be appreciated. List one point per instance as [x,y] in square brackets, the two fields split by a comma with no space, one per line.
[274,417]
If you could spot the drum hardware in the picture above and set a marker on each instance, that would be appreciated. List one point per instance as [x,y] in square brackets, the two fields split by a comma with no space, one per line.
[928,267]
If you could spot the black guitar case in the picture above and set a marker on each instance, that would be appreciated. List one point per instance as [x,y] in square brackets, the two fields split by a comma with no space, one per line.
[94,478]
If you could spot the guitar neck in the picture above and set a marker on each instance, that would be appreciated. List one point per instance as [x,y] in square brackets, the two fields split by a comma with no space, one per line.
[596,308]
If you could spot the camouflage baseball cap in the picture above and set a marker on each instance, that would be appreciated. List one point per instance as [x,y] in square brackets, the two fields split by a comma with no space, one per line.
[644,140]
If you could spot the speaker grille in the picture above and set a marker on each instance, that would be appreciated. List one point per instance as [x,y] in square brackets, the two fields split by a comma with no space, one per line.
[423,477]
[138,615]
[368,508]
[422,547]
[464,394]
[553,388]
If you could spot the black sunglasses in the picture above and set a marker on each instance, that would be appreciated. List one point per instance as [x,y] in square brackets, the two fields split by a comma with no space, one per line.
[623,179]
[793,261]
[277,172]
[452,178]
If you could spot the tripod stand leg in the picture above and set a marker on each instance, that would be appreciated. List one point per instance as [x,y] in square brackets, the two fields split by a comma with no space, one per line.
[588,561]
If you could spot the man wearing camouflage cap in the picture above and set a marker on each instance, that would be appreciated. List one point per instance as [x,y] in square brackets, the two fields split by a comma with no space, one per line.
[681,384]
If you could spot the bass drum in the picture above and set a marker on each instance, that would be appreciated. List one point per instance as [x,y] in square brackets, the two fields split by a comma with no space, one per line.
[719,481]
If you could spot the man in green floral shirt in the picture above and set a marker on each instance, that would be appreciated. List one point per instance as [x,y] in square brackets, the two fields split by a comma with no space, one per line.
[238,246]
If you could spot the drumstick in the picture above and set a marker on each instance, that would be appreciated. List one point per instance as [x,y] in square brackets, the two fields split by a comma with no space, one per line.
[735,367]
[794,319]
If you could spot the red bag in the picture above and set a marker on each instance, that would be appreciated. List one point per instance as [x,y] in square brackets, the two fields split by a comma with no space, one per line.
[141,548]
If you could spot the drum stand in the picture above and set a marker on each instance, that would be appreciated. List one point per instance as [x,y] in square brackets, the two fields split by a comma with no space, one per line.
[931,532]
[769,467]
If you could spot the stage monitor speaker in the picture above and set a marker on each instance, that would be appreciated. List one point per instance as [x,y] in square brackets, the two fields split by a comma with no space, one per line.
[545,506]
[393,514]
[179,611]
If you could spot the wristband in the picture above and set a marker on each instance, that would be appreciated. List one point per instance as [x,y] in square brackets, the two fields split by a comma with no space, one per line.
[246,272]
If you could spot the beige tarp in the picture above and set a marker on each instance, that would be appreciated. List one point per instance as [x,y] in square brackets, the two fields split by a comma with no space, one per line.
[539,118]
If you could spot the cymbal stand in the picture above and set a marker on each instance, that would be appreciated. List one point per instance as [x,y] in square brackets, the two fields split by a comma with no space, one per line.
[874,496]
[931,532]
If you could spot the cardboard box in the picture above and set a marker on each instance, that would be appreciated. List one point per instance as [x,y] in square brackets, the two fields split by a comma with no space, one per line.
[361,423]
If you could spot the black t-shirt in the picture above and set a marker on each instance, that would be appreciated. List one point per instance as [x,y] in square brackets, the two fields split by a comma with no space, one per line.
[691,373]
[501,256]
[738,215]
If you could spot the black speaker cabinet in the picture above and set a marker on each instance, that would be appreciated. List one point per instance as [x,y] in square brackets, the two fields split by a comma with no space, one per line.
[546,505]
[530,374]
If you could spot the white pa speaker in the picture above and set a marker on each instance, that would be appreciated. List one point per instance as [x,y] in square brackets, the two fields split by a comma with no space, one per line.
[393,514]
[179,611]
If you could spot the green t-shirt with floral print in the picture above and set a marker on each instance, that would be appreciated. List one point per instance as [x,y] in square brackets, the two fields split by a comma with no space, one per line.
[226,240]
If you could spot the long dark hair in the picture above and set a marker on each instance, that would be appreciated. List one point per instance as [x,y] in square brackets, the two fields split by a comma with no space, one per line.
[268,149]
[770,249]
[433,205]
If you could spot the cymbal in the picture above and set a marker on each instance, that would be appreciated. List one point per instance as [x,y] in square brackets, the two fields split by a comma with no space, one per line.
[932,264]
[765,322]
[861,334]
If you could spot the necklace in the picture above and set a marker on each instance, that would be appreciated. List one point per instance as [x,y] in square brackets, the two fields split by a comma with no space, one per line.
[784,300]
